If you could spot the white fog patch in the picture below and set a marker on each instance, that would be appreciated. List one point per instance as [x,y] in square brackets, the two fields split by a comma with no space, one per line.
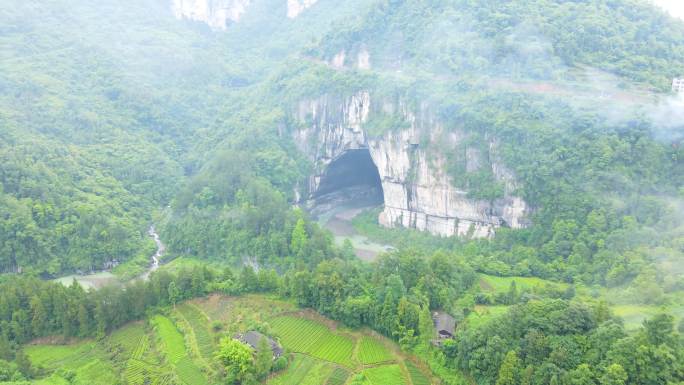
[674,7]
[215,13]
[295,7]
[668,119]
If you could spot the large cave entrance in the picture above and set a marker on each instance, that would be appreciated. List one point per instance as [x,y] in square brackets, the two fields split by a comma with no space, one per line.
[349,186]
[351,177]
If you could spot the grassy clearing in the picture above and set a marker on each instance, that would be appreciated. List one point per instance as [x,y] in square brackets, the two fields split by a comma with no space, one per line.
[634,315]
[311,337]
[502,284]
[372,351]
[417,376]
[238,314]
[482,314]
[384,375]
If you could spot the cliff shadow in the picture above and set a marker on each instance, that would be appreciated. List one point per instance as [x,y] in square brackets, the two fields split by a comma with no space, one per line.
[351,179]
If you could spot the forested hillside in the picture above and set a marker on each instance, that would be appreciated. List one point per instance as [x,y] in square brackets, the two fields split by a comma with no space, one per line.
[116,115]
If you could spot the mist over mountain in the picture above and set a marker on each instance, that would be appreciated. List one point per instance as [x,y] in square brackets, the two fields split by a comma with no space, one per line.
[510,171]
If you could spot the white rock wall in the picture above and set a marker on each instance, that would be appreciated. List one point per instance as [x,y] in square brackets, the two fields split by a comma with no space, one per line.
[216,13]
[296,7]
[417,190]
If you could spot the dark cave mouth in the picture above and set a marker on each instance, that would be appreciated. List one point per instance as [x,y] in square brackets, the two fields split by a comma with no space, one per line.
[353,178]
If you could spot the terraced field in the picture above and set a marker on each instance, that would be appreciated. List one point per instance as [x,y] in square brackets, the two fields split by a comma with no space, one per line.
[385,375]
[129,337]
[338,377]
[304,370]
[417,376]
[200,328]
[502,284]
[311,337]
[156,352]
[319,349]
[372,351]
[86,359]
[173,343]
[189,373]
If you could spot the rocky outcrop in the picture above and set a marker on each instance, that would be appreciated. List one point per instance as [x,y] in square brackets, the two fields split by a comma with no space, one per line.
[216,13]
[342,59]
[418,192]
[295,7]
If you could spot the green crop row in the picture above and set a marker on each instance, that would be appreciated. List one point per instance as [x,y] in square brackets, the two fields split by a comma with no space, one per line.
[385,375]
[372,351]
[417,376]
[311,337]
[172,340]
[199,324]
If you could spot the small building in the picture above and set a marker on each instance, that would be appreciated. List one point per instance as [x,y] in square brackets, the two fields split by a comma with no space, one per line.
[678,85]
[252,339]
[445,325]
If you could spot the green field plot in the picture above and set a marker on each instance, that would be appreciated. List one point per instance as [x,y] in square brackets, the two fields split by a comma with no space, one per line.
[417,376]
[298,334]
[52,380]
[635,315]
[384,375]
[53,357]
[338,377]
[171,339]
[85,359]
[372,351]
[483,314]
[173,345]
[335,348]
[129,337]
[307,336]
[96,372]
[189,373]
[502,284]
[304,370]
[140,372]
[200,327]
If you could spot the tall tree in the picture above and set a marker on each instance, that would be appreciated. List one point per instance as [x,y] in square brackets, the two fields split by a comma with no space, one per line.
[174,293]
[236,357]
[509,372]
[264,358]
[615,375]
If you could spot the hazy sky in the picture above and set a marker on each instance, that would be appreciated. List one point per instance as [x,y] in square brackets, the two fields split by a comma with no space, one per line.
[675,7]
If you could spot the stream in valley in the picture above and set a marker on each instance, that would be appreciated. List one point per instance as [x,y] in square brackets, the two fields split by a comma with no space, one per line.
[104,278]
[333,211]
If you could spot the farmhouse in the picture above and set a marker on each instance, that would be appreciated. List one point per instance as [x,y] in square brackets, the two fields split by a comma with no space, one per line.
[444,324]
[252,339]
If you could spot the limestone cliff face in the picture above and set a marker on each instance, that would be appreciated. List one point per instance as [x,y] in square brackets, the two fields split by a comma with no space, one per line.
[295,7]
[219,13]
[216,13]
[418,193]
